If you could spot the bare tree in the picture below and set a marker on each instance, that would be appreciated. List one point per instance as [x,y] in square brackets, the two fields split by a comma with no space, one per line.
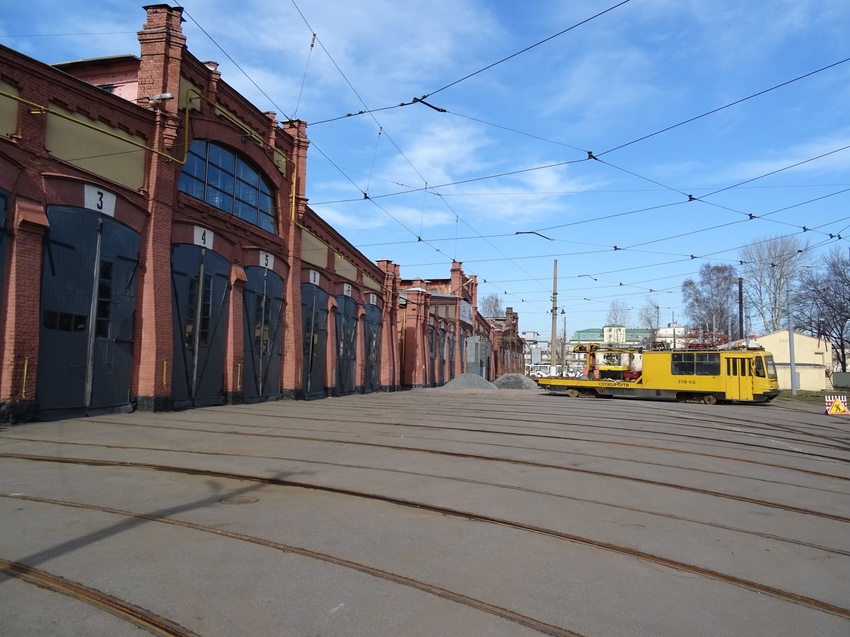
[767,267]
[618,313]
[649,316]
[710,302]
[822,304]
[491,306]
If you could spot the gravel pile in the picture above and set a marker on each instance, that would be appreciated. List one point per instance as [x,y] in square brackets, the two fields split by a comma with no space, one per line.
[514,381]
[469,381]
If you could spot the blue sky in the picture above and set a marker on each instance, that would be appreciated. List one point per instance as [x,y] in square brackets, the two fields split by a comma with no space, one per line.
[511,152]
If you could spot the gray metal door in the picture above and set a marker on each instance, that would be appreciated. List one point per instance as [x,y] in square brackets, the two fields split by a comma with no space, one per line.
[200,286]
[314,321]
[441,351]
[372,340]
[263,311]
[476,356]
[88,303]
[346,345]
[451,355]
[432,356]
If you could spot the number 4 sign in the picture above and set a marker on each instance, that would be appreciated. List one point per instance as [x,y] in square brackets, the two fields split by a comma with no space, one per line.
[204,237]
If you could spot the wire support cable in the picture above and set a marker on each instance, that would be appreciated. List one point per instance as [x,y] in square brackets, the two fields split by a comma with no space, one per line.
[729,105]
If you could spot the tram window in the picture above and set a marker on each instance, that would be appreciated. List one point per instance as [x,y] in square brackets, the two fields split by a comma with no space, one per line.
[708,364]
[732,366]
[759,367]
[771,368]
[682,364]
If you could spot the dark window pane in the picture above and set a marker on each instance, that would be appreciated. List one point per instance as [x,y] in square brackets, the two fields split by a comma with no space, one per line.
[191,186]
[247,193]
[217,178]
[708,364]
[266,203]
[217,175]
[191,309]
[220,199]
[103,309]
[195,166]
[101,328]
[65,321]
[683,364]
[267,222]
[246,173]
[221,158]
[50,320]
[245,211]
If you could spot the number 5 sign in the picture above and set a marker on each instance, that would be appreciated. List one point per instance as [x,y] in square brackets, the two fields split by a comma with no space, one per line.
[266,260]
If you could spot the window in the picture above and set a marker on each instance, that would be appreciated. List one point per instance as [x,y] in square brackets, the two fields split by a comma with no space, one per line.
[220,177]
[683,364]
[708,364]
[771,368]
[104,300]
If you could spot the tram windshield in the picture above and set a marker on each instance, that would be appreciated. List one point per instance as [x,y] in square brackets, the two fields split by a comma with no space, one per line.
[771,368]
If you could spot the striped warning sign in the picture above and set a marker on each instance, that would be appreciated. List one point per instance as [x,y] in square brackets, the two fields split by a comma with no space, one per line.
[836,405]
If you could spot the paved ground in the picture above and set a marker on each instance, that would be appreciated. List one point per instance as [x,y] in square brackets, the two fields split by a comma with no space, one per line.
[430,512]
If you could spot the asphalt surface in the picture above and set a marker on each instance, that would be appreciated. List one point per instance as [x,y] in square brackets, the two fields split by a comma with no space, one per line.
[430,512]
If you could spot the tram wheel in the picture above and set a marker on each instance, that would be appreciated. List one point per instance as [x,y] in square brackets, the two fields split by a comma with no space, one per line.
[709,399]
[572,393]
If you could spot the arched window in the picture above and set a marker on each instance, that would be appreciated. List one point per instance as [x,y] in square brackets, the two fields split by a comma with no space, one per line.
[223,179]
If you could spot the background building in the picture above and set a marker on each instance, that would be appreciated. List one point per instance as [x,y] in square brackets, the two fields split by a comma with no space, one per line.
[158,251]
[812,360]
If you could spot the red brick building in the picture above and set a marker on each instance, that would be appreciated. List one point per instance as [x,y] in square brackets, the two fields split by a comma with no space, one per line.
[158,251]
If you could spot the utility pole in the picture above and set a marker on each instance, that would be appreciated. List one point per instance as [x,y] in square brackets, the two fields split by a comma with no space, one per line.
[553,345]
[564,357]
[740,308]
[791,344]
[673,318]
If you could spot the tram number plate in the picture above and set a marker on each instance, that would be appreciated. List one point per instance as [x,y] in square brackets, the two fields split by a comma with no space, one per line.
[687,382]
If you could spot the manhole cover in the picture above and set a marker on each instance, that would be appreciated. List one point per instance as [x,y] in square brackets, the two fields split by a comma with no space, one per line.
[239,499]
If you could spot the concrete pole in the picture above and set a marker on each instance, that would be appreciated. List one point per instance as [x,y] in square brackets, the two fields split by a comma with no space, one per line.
[553,345]
[740,309]
[791,344]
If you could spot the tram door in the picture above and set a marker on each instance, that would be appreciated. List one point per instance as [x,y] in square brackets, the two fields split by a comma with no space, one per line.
[739,378]
[314,321]
[88,305]
[346,345]
[372,339]
[200,286]
[263,311]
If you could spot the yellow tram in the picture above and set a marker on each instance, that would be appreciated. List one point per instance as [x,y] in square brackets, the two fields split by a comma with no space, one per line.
[701,375]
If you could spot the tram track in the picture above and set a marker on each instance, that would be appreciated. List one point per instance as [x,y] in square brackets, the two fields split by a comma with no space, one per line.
[444,593]
[512,461]
[571,453]
[524,435]
[395,578]
[627,432]
[120,608]
[498,485]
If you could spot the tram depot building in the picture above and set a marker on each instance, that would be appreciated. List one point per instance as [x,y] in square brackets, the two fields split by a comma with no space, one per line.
[158,252]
